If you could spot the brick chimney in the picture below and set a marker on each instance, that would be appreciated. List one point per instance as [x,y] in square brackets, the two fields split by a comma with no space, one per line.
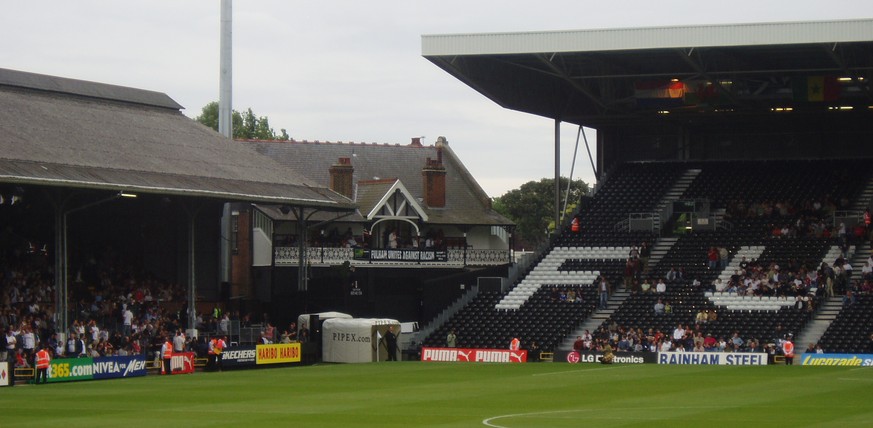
[341,177]
[416,142]
[434,174]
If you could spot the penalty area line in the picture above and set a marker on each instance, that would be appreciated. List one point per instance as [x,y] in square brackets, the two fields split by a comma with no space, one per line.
[491,421]
[488,421]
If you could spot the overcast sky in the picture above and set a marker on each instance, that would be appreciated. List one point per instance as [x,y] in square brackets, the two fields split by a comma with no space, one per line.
[339,70]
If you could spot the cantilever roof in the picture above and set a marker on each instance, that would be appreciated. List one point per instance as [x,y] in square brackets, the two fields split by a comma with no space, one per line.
[77,134]
[598,77]
[612,39]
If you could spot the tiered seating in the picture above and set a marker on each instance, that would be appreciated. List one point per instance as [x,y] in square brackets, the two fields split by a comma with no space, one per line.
[802,251]
[576,259]
[638,310]
[481,325]
[758,324]
[752,317]
[689,255]
[794,181]
[631,188]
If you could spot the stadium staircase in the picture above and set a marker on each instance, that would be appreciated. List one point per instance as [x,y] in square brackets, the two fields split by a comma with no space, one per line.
[661,247]
[597,318]
[675,193]
[824,317]
[859,257]
[865,199]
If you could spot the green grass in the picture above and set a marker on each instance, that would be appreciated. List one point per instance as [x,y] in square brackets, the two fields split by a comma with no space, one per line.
[415,394]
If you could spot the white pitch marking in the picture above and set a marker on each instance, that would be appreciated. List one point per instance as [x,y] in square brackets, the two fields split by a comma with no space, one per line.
[575,371]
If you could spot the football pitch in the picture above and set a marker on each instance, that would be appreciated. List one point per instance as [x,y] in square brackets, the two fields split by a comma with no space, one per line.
[416,394]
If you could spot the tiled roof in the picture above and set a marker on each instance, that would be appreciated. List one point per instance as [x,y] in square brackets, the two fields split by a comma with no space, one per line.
[466,202]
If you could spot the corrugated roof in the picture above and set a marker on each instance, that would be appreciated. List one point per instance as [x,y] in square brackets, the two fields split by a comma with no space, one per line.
[753,34]
[49,137]
[466,202]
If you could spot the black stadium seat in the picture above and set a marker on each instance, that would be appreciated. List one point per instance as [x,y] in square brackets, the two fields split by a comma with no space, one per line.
[639,188]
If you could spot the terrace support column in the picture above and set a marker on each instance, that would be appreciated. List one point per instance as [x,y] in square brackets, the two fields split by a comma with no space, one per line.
[192,211]
[557,174]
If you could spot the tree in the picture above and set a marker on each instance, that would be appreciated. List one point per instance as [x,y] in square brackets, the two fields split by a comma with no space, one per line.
[532,208]
[246,126]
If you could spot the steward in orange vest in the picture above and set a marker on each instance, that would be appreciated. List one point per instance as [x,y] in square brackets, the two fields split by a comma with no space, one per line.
[167,355]
[788,350]
[43,360]
[574,225]
[218,348]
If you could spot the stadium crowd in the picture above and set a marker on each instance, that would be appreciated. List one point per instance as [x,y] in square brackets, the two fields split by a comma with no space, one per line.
[113,311]
[683,338]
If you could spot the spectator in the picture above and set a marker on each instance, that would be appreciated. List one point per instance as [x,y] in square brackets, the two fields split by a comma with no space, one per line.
[673,275]
[29,342]
[646,286]
[21,360]
[867,271]
[9,347]
[587,340]
[603,289]
[712,258]
[665,345]
[723,255]
[736,340]
[678,333]
[629,271]
[451,339]
[393,237]
[645,253]
[849,298]
[659,307]
[702,317]
[709,343]
[661,287]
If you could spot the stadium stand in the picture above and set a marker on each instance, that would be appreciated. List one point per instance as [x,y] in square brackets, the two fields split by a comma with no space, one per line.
[775,219]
